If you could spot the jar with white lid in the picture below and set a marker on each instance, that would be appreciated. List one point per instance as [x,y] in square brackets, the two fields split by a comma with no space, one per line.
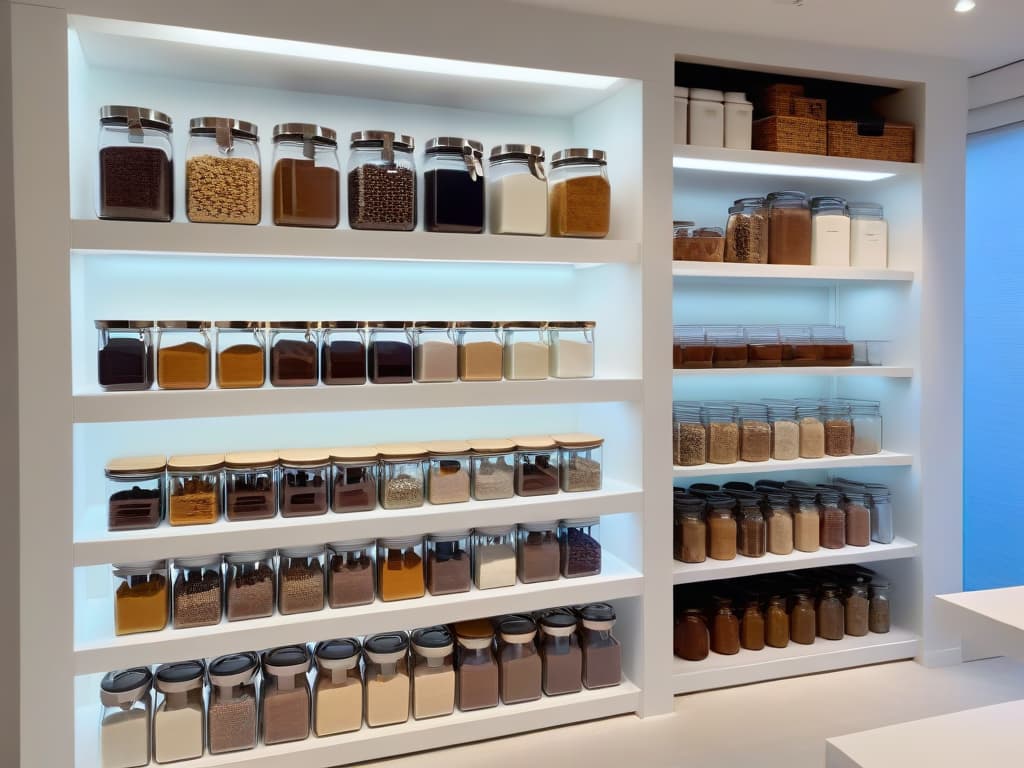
[180,718]
[448,476]
[477,680]
[135,492]
[494,557]
[571,349]
[350,567]
[517,190]
[232,718]
[338,690]
[493,469]
[306,175]
[304,482]
[125,720]
[184,354]
[241,354]
[194,484]
[536,465]
[136,173]
[435,352]
[579,195]
[300,580]
[602,654]
[682,115]
[198,594]
[285,697]
[250,481]
[222,171]
[561,657]
[401,475]
[433,672]
[387,678]
[579,461]
[830,232]
[453,185]
[707,118]
[869,236]
[124,357]
[141,602]
[526,356]
[739,120]
[381,181]
[354,479]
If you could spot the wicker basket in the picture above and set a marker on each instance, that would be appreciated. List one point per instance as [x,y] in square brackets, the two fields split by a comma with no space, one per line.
[816,109]
[777,99]
[791,134]
[874,140]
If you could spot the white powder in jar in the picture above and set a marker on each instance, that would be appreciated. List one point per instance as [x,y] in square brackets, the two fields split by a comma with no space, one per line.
[178,733]
[124,739]
[518,204]
[525,360]
[571,359]
[495,566]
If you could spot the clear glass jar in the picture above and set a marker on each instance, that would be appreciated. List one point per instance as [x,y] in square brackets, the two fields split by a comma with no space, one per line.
[435,351]
[869,236]
[194,488]
[381,181]
[338,690]
[798,349]
[354,479]
[812,432]
[838,428]
[707,118]
[580,544]
[830,614]
[519,660]
[579,461]
[883,529]
[690,347]
[433,672]
[722,525]
[449,569]
[571,350]
[776,623]
[802,620]
[232,719]
[858,517]
[579,194]
[538,552]
[307,175]
[536,465]
[400,568]
[857,609]
[789,228]
[183,354]
[453,185]
[729,345]
[602,654]
[720,423]
[179,719]
[135,175]
[449,473]
[835,349]
[480,350]
[305,481]
[833,521]
[494,557]
[690,529]
[125,719]
[526,350]
[250,585]
[755,432]
[401,475]
[764,348]
[135,491]
[241,354]
[752,626]
[250,481]
[725,628]
[493,469]
[785,431]
[691,639]
[294,353]
[746,234]
[285,698]
[830,232]
[751,533]
[222,171]
[561,656]
[343,352]
[689,437]
[198,594]
[517,190]
[124,357]
[350,573]
[866,419]
[779,523]
[807,523]
[387,679]
[879,613]
[391,352]
[300,580]
[477,681]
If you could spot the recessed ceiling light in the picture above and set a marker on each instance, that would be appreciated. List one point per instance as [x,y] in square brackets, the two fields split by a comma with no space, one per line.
[964,6]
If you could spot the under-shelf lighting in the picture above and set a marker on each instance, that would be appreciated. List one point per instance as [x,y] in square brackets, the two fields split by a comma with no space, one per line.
[770,169]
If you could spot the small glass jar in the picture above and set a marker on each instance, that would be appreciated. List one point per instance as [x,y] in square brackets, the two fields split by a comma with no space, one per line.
[343,352]
[830,232]
[136,176]
[833,521]
[602,654]
[776,623]
[536,465]
[241,354]
[812,432]
[883,529]
[746,234]
[232,723]
[250,585]
[580,544]
[689,437]
[300,580]
[755,432]
[751,537]
[836,351]
[285,697]
[799,350]
[517,190]
[857,609]
[722,526]
[831,615]
[354,479]
[183,354]
[194,488]
[779,523]
[453,185]
[477,681]
[702,244]
[579,461]
[752,627]
[519,660]
[579,195]
[381,181]
[879,614]
[690,529]
[538,552]
[401,475]
[307,175]
[124,357]
[433,672]
[387,679]
[691,638]
[494,557]
[350,573]
[764,348]
[690,347]
[869,236]
[866,420]
[725,628]
[526,356]
[222,172]
[789,228]
[400,568]
[198,594]
[729,344]
[338,690]
[304,482]
[838,429]
[135,492]
[723,431]
[493,469]
[250,481]
[294,353]
[390,358]
[561,656]
[858,517]
[125,720]
[480,350]
[449,473]
[449,569]
[807,523]
[571,349]
[435,351]
[179,719]
[802,620]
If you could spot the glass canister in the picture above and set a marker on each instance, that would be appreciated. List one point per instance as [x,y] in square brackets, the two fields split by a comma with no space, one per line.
[691,529]
[493,469]
[776,623]
[125,720]
[752,626]
[722,525]
[390,359]
[697,244]
[866,420]
[690,347]
[294,350]
[435,351]
[194,488]
[689,438]
[222,171]
[307,175]
[494,557]
[354,479]
[387,679]
[838,428]
[448,474]
[830,614]
[602,654]
[879,614]
[401,475]
[183,354]
[140,597]
[561,656]
[338,690]
[755,432]
[381,181]
[798,349]
[725,628]
[517,190]
[729,344]
[812,431]
[807,523]
[723,431]
[179,719]
[526,350]
[691,638]
[400,568]
[241,354]
[304,482]
[343,352]
[198,594]
[785,431]
[448,562]
[480,350]
[764,348]
[571,349]
[135,492]
[300,580]
[250,480]
[746,234]
[538,552]
[579,461]
[835,349]
[857,609]
[869,236]
[779,523]
[833,520]
[536,465]
[882,525]
[751,538]
[350,567]
[232,721]
[285,697]
[477,679]
[124,357]
[580,544]
[453,185]
[579,194]
[519,660]
[433,672]
[250,589]
[789,228]
[802,620]
[858,516]
[136,174]
[830,232]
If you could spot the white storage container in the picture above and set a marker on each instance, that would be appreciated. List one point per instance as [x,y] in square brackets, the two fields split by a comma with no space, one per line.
[707,118]
[869,236]
[682,114]
[739,121]
[830,232]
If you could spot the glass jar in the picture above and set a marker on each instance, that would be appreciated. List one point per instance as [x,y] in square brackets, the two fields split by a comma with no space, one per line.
[720,423]
[751,534]
[579,461]
[124,357]
[807,523]
[493,469]
[480,350]
[690,348]
[560,653]
[752,627]
[222,172]
[721,528]
[338,690]
[830,232]
[136,176]
[878,611]
[125,720]
[691,529]
[448,562]
[183,354]
[387,679]
[453,185]
[448,474]
[180,715]
[401,475]
[494,557]
[538,552]
[602,654]
[798,349]
[250,590]
[343,352]
[354,479]
[477,681]
[779,524]
[400,568]
[785,431]
[789,228]
[390,359]
[838,428]
[135,492]
[764,349]
[571,349]
[526,350]
[232,722]
[350,570]
[858,517]
[730,346]
[835,349]
[883,529]
[833,521]
[831,616]
[689,437]
[433,672]
[580,544]
[381,181]
[285,697]
[435,352]
[700,244]
[304,482]
[536,465]
[692,640]
[869,236]
[812,432]
[294,350]
[725,628]
[857,610]
[707,118]
[517,190]
[197,597]
[776,623]
[241,354]
[866,420]
[519,660]
[755,432]
[307,175]
[300,580]
[746,234]
[194,488]
[579,195]
[802,620]
[250,480]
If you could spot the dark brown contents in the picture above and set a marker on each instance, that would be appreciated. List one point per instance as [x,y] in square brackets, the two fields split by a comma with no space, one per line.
[251,497]
[764,355]
[801,354]
[755,441]
[838,437]
[602,665]
[305,195]
[692,355]
[478,683]
[725,633]
[197,598]
[750,540]
[293,363]
[125,364]
[285,715]
[563,666]
[133,509]
[448,569]
[831,618]
[250,594]
[752,629]
[304,493]
[136,184]
[232,720]
[730,356]
[382,197]
[351,581]
[833,528]
[344,362]
[539,557]
[858,525]
[302,586]
[390,362]
[521,679]
[776,629]
[856,615]
[802,626]
[536,478]
[355,490]
[878,615]
[454,201]
[581,554]
[837,354]
[789,236]
[692,640]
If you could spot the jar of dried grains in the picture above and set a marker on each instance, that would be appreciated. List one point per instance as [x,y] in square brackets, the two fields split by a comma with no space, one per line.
[198,591]
[222,171]
[493,465]
[381,181]
[300,580]
[250,580]
[579,461]
[720,422]
[232,718]
[838,428]
[689,437]
[580,544]
[690,529]
[746,236]
[785,431]
[579,195]
[755,432]
[401,475]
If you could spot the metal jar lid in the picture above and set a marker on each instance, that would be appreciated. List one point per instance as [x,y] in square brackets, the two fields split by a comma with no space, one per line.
[294,325]
[180,676]
[385,138]
[191,325]
[472,152]
[569,325]
[239,129]
[233,669]
[305,132]
[241,325]
[124,687]
[344,325]
[581,155]
[104,325]
[143,117]
[502,151]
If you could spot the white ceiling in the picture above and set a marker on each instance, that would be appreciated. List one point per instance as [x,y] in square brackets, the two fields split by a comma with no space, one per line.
[987,37]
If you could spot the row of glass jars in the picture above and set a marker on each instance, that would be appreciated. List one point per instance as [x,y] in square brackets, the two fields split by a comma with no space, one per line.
[336,686]
[761,346]
[200,489]
[303,353]
[723,432]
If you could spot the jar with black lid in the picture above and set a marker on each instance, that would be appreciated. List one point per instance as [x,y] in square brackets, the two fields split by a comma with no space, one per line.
[602,654]
[125,721]
[222,172]
[231,723]
[381,181]
[136,176]
[179,722]
[561,657]
[453,183]
[285,697]
[306,175]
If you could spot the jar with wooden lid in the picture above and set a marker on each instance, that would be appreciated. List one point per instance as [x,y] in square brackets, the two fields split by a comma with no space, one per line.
[526,354]
[390,357]
[752,626]
[449,568]
[579,194]
[776,623]
[536,465]
[285,697]
[725,628]
[493,469]
[830,613]
[519,660]
[222,172]
[579,461]
[721,528]
[343,352]
[477,680]
[807,523]
[354,478]
[480,350]
[307,175]
[494,556]
[802,620]
[381,181]
[560,653]
[692,640]
[448,471]
[304,482]
[179,720]
[294,353]
[400,574]
[751,533]
[198,593]
[127,707]
[435,351]
[183,354]
[690,529]
[350,573]
[602,653]
[141,601]
[433,672]
[571,349]
[135,492]
[250,481]
[232,719]
[517,190]
[124,357]
[401,475]
[833,520]
[241,354]
[250,584]
[387,678]
[778,517]
[300,580]
[194,488]
[135,181]
[789,228]
[453,185]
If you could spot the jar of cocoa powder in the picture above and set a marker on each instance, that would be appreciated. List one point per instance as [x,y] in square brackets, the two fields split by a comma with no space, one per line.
[306,175]
[136,178]
[285,698]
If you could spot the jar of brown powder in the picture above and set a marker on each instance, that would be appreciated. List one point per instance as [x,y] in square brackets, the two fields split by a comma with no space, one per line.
[802,620]
[579,194]
[354,479]
[692,641]
[294,353]
[135,492]
[285,699]
[480,350]
[789,228]
[241,354]
[538,552]
[350,573]
[520,663]
[721,528]
[477,679]
[250,480]
[400,568]
[725,628]
[197,597]
[232,716]
[830,613]
[304,482]
[561,656]
[776,623]
[124,357]
[579,461]
[448,563]
[183,354]
[250,585]
[833,520]
[306,175]
[690,530]
[448,474]
[140,597]
[857,610]
[194,485]
[751,533]
[752,626]
[879,615]
[602,653]
[300,585]
[536,465]
[858,517]
[807,523]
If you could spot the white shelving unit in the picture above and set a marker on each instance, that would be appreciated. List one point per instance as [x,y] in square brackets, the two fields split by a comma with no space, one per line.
[775,273]
[772,466]
[880,371]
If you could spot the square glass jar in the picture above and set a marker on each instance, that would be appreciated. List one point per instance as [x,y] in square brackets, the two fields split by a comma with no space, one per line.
[448,562]
[435,352]
[250,580]
[536,465]
[579,461]
[194,488]
[402,483]
[571,349]
[343,352]
[300,580]
[241,354]
[197,596]
[350,573]
[493,469]
[580,547]
[526,355]
[294,353]
[400,572]
[480,350]
[390,357]
[304,482]
[494,557]
[135,492]
[124,357]
[183,354]
[448,472]
[250,482]
[141,601]
[354,479]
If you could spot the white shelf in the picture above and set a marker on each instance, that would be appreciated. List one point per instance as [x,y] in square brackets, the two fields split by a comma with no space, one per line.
[879,371]
[710,570]
[718,671]
[186,239]
[883,459]
[774,273]
[97,546]
[757,162]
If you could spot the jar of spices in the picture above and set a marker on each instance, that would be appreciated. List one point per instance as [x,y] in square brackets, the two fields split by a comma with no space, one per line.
[812,432]
[241,354]
[180,716]
[764,349]
[690,529]
[779,523]
[869,236]
[285,697]
[835,349]
[579,194]
[692,640]
[857,609]
[306,175]
[580,547]
[300,587]
[135,492]
[690,348]
[802,620]
[720,423]
[453,185]
[338,690]
[520,662]
[183,354]
[400,568]
[878,610]
[304,482]
[807,523]
[387,679]
[381,181]
[433,672]
[755,432]
[222,172]
[124,359]
[136,178]
[789,228]
[725,628]
[517,190]
[689,438]
[785,431]
[831,615]
[751,534]
[526,356]
[448,562]
[250,590]
[354,479]
[250,478]
[477,680]
[480,350]
[232,717]
[343,352]
[294,351]
[571,349]
[776,623]
[602,654]
[198,591]
[494,557]
[579,461]
[390,359]
[125,720]
[746,234]
[561,656]
[739,121]
[401,475]
[194,488]
[752,627]
[435,353]
[448,475]
[730,346]
[880,503]
[538,552]
[833,520]
[536,465]
[838,428]
[721,528]
[707,118]
[830,232]
[866,421]
[493,469]
[350,570]
[858,517]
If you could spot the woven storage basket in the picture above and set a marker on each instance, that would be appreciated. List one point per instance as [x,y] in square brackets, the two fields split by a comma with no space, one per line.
[791,134]
[777,99]
[871,140]
[816,109]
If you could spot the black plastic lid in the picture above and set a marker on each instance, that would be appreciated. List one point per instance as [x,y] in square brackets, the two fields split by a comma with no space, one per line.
[597,612]
[432,637]
[686,500]
[736,485]
[517,625]
[233,664]
[124,680]
[556,620]
[704,488]
[287,656]
[180,672]
[387,642]
[338,649]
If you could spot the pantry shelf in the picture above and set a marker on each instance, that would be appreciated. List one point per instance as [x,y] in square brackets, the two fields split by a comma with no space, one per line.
[779,274]
[879,371]
[787,164]
[883,459]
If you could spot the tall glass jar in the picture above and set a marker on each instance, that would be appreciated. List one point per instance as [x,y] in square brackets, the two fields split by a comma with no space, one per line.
[725,628]
[300,580]
[453,185]
[858,516]
[305,482]
[802,620]
[690,532]
[833,520]
[869,236]
[883,529]
[194,488]
[866,420]
[692,639]
[493,469]
[580,545]
[198,594]
[400,568]
[480,350]
[250,480]
[779,523]
[401,475]
[807,523]
[789,228]
[390,359]
[232,721]
[141,601]
[183,354]
[519,660]
[830,232]
[136,176]
[723,433]
[294,353]
[602,654]
[350,573]
[477,680]
[830,614]
[180,717]
[751,534]
[387,679]
[449,568]
[494,557]
[250,585]
[755,432]
[125,720]
[433,672]
[579,461]
[746,234]
[536,465]
[776,623]
[306,175]
[838,428]
[752,626]
[222,171]
[721,528]
[785,431]
[579,195]
[381,181]
[338,690]
[561,656]
[517,190]
[124,357]
[135,492]
[449,472]
[526,356]
[435,352]
[812,432]
[241,354]
[285,698]
[343,352]
[571,349]
[354,479]
[689,436]
[879,614]
[857,609]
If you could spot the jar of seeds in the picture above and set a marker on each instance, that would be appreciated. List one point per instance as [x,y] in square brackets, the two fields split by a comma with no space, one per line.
[300,587]
[222,171]
[250,585]
[579,461]
[746,234]
[381,181]
[401,475]
[198,591]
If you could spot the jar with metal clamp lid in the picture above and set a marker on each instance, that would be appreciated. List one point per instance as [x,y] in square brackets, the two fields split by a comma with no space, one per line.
[381,181]
[222,171]
[306,175]
[136,176]
[517,187]
[453,185]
